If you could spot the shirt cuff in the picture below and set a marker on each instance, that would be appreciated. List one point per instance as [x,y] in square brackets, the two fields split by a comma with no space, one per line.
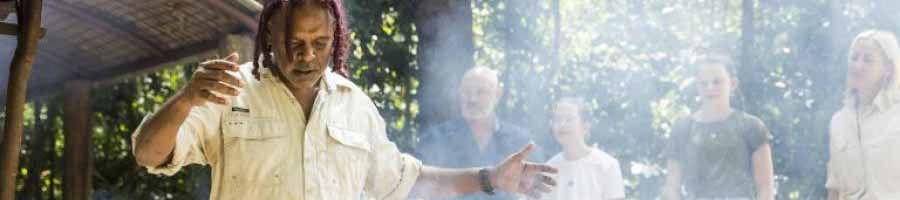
[410,170]
[179,159]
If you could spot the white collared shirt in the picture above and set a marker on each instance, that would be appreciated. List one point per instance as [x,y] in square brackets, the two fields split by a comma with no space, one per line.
[260,148]
[870,172]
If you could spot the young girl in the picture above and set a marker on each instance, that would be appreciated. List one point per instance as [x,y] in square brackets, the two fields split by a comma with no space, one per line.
[584,172]
[718,152]
[865,137]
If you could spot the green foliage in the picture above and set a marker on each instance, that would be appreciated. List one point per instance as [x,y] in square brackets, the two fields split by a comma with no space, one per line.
[630,59]
[383,63]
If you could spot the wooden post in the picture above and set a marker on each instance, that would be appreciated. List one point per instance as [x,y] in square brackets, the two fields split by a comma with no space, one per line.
[20,70]
[76,127]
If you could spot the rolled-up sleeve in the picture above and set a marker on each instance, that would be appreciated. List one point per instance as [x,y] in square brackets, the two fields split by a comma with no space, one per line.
[189,145]
[392,173]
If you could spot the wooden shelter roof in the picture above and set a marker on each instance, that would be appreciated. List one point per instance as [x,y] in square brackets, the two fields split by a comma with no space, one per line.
[98,40]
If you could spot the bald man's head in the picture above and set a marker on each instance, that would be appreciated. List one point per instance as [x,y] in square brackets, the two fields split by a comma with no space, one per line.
[479,92]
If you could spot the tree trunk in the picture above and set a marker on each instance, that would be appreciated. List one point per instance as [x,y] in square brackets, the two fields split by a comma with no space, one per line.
[445,51]
[20,70]
[750,73]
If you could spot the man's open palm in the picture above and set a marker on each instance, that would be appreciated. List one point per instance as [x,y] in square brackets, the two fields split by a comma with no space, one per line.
[516,175]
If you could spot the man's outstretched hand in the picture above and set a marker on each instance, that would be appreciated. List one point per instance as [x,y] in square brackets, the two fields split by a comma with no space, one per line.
[519,176]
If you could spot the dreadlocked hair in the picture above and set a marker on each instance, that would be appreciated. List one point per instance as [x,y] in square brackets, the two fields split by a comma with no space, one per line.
[263,52]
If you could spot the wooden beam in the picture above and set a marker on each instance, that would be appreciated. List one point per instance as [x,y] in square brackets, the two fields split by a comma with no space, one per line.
[19,72]
[246,20]
[13,29]
[106,26]
[77,150]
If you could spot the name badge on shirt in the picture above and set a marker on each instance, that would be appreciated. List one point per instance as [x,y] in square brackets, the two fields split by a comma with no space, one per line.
[239,109]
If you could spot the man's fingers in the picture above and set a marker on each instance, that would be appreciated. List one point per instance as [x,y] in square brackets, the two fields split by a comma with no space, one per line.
[534,167]
[543,188]
[219,75]
[533,194]
[522,154]
[209,96]
[233,57]
[537,190]
[220,65]
[221,88]
[546,179]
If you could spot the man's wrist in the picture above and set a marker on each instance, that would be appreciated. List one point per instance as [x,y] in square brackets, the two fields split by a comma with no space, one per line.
[485,180]
[183,100]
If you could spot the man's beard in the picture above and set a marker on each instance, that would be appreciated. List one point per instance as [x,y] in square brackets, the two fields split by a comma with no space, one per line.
[481,113]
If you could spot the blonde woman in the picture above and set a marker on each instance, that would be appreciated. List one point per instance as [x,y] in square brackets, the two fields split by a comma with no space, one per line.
[865,137]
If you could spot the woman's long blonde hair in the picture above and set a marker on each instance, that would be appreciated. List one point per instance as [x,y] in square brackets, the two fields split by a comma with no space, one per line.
[889,93]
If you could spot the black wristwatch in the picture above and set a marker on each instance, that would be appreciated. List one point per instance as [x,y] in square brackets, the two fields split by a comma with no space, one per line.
[484,178]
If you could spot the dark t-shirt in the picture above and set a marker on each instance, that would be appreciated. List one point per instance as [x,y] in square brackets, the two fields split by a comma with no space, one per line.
[716,158]
[451,144]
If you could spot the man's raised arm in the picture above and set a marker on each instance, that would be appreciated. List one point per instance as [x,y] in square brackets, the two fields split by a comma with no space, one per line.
[155,140]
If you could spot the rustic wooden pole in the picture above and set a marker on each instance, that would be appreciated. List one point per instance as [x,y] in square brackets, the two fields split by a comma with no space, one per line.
[77,158]
[29,17]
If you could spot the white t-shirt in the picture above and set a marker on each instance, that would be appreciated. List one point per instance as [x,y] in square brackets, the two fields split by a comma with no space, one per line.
[595,176]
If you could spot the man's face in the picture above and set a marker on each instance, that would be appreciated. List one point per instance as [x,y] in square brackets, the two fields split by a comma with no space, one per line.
[478,94]
[310,42]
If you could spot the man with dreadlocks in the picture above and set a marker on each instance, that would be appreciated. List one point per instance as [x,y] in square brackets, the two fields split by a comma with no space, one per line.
[288,127]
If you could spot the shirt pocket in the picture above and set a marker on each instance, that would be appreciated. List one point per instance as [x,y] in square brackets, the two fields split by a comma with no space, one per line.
[253,127]
[256,148]
[349,152]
